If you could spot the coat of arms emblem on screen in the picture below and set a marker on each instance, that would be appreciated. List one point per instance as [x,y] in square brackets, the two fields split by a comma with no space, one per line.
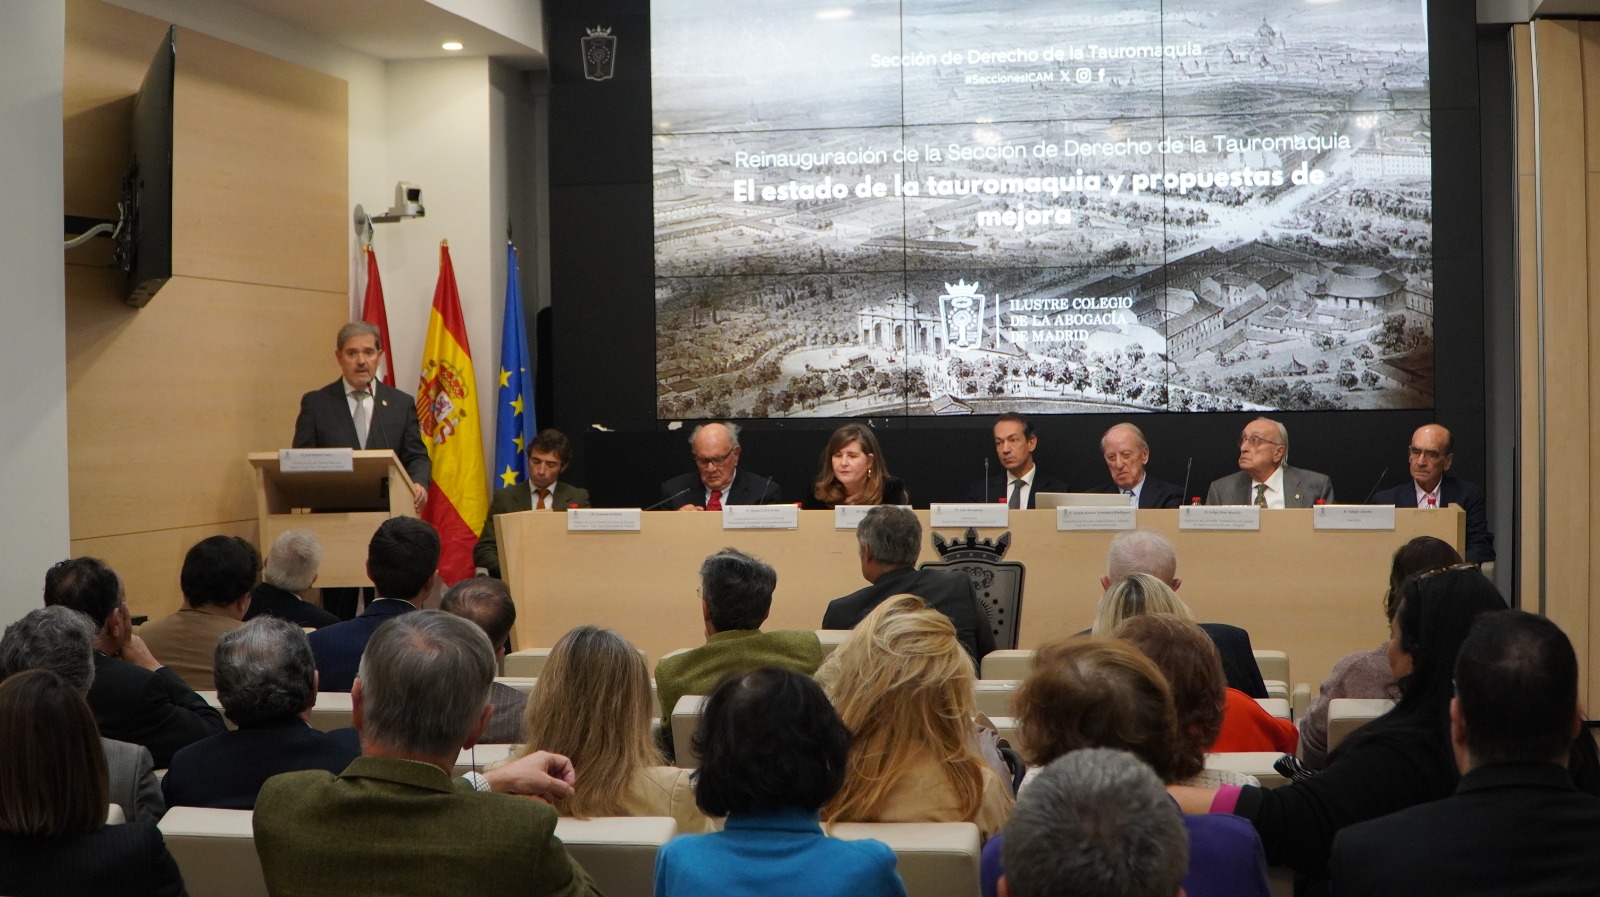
[961,310]
[599,54]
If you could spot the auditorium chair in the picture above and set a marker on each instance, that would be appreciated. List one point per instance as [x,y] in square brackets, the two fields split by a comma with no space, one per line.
[685,720]
[215,850]
[529,662]
[619,852]
[479,757]
[935,859]
[1345,715]
[332,711]
[523,684]
[1277,707]
[830,639]
[1250,763]
[994,696]
[1274,667]
[1006,663]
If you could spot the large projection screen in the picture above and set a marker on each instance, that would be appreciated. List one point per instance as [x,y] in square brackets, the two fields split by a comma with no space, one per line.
[963,206]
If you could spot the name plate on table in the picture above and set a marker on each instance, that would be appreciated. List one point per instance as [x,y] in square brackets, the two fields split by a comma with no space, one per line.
[760,517]
[1353,517]
[1081,519]
[317,460]
[969,514]
[1219,517]
[849,516]
[603,520]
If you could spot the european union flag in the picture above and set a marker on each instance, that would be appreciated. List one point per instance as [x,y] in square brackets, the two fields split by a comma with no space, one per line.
[514,426]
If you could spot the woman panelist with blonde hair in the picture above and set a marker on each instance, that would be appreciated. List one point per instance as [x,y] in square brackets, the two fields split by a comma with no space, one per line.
[905,688]
[852,472]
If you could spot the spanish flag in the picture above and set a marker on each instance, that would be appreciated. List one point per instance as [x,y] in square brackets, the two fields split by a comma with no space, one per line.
[447,408]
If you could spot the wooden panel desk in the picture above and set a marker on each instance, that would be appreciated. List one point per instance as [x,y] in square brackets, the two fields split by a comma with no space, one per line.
[1316,595]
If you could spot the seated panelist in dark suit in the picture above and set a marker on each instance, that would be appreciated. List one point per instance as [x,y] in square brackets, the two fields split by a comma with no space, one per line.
[402,561]
[289,572]
[853,472]
[718,481]
[1019,481]
[548,457]
[1265,478]
[890,540]
[1126,454]
[1431,486]
[267,683]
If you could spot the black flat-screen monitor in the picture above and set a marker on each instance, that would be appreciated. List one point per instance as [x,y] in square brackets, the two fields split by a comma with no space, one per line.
[144,247]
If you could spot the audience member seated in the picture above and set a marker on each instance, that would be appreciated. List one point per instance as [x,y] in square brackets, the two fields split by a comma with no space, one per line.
[1398,760]
[853,472]
[1124,839]
[906,691]
[1147,551]
[394,822]
[735,597]
[890,540]
[267,683]
[592,705]
[134,698]
[290,571]
[54,838]
[1365,674]
[1516,824]
[216,579]
[772,752]
[62,641]
[487,602]
[1132,596]
[402,561]
[1102,693]
[1184,655]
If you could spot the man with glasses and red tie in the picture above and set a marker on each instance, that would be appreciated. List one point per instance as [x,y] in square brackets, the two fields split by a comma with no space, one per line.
[1264,478]
[1432,486]
[548,456]
[718,481]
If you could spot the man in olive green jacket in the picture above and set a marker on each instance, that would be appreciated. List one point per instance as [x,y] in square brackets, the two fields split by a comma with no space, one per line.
[395,822]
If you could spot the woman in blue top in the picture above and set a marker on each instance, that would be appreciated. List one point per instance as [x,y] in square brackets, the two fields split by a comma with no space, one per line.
[772,752]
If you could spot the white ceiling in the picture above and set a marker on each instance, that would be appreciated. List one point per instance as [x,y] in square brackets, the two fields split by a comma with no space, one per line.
[402,29]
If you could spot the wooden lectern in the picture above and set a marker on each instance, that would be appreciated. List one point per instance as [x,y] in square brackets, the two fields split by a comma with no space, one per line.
[344,509]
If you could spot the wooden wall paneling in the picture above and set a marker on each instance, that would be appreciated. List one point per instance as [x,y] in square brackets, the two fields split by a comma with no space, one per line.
[260,162]
[149,563]
[1530,507]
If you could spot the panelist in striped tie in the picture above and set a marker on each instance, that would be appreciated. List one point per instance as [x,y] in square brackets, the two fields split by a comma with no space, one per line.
[1265,478]
[1018,481]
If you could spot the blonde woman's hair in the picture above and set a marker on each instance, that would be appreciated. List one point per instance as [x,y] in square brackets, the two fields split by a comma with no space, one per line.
[592,704]
[905,688]
[1140,593]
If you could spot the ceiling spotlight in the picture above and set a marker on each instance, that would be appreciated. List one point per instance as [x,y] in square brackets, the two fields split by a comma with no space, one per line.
[451,45]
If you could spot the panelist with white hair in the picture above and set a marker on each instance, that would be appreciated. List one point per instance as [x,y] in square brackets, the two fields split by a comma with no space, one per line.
[1265,478]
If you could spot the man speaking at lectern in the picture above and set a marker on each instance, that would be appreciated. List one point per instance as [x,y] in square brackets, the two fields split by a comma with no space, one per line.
[358,412]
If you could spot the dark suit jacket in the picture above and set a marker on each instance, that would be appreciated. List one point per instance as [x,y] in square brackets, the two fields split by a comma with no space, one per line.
[267,600]
[949,593]
[1452,491]
[154,709]
[894,493]
[128,860]
[519,498]
[325,422]
[996,488]
[338,647]
[1510,829]
[226,771]
[1301,489]
[1155,494]
[748,489]
[1238,658]
[420,832]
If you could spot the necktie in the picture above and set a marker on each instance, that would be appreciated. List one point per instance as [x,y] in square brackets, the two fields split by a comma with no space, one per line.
[1261,495]
[1016,494]
[714,503]
[544,500]
[1433,503]
[1131,499]
[361,396]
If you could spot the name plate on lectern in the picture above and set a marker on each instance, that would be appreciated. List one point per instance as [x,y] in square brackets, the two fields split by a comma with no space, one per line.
[316,460]
[1082,519]
[849,516]
[760,517]
[1219,517]
[603,520]
[968,514]
[1349,517]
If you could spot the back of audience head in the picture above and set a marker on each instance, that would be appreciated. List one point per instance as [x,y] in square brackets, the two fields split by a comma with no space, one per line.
[1420,555]
[265,672]
[57,639]
[592,704]
[1516,681]
[423,684]
[402,557]
[1141,551]
[87,586]
[1097,692]
[769,740]
[737,590]
[293,561]
[1095,823]
[891,535]
[53,782]
[485,601]
[1135,594]
[218,570]
[1189,662]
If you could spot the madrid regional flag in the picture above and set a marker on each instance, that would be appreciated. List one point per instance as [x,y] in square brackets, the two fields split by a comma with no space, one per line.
[447,408]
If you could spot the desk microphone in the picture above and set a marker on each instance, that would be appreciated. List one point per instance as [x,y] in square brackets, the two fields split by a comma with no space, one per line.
[671,498]
[762,499]
[1186,469]
[1368,499]
[986,479]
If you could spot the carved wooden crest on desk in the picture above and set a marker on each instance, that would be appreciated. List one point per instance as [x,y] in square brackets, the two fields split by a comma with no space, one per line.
[997,583]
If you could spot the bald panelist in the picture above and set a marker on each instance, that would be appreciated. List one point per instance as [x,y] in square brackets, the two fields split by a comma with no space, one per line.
[1126,453]
[717,480]
[1265,478]
[1431,452]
